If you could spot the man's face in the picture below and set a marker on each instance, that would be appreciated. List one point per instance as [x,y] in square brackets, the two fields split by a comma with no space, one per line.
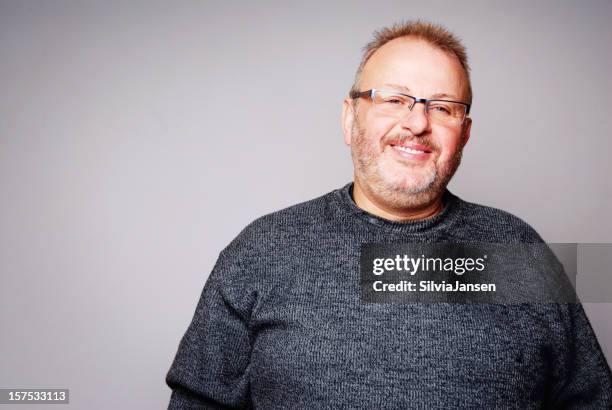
[406,161]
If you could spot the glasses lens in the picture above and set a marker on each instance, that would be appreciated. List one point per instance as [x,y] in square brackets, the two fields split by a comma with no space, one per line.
[391,102]
[446,111]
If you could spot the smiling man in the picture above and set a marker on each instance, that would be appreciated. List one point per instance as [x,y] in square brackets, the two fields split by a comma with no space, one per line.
[281,322]
[405,148]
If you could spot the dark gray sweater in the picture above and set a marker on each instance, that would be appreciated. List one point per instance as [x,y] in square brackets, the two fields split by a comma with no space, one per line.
[280,325]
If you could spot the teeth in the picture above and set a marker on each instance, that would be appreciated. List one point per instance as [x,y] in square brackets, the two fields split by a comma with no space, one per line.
[406,149]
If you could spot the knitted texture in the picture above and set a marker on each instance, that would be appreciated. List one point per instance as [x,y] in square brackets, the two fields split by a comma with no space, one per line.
[280,325]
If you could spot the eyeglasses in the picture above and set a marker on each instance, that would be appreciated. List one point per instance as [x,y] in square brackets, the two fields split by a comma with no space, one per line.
[395,103]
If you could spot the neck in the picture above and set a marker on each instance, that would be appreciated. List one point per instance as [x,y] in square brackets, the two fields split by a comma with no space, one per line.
[369,204]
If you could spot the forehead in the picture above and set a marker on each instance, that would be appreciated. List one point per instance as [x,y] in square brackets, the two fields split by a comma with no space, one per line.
[417,66]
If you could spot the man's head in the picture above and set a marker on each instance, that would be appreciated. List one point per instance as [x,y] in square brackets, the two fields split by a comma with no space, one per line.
[405,158]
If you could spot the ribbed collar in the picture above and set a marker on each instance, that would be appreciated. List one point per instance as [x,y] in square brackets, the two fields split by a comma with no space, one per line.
[348,208]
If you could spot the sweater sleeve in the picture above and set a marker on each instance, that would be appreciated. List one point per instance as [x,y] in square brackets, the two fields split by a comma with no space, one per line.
[210,370]
[582,378]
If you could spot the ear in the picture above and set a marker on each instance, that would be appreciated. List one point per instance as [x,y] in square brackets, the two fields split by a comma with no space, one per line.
[348,118]
[466,130]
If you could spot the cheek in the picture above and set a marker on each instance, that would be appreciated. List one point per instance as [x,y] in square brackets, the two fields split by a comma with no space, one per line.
[376,128]
[448,141]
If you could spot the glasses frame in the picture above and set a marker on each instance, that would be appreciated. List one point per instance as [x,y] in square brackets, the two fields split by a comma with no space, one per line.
[372,92]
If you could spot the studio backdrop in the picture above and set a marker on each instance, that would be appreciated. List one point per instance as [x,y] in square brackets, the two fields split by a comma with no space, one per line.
[137,139]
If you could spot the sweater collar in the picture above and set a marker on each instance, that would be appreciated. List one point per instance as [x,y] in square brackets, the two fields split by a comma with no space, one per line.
[347,206]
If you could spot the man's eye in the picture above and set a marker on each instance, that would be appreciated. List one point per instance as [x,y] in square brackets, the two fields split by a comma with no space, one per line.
[394,101]
[441,109]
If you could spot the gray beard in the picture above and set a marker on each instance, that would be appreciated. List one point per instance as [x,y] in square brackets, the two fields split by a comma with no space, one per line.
[394,195]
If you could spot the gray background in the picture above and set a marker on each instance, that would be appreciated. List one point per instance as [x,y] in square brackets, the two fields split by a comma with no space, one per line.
[138,138]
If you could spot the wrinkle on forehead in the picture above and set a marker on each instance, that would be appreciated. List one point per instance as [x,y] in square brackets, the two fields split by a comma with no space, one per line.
[407,90]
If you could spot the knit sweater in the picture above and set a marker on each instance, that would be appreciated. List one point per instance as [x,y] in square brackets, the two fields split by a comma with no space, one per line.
[280,324]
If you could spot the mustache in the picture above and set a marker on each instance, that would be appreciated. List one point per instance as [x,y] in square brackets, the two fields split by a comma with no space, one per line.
[399,139]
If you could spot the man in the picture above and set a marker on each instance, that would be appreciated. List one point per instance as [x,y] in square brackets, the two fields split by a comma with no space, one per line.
[280,323]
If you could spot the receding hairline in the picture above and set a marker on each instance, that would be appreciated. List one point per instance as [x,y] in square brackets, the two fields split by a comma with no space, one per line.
[402,87]
[432,34]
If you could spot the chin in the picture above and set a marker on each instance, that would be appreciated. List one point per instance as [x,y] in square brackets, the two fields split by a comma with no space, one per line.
[405,194]
[405,200]
[410,184]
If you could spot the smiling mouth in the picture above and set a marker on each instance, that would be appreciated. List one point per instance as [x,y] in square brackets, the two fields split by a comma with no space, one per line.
[410,150]
[415,149]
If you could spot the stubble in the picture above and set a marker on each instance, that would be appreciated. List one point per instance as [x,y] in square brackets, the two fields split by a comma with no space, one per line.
[404,191]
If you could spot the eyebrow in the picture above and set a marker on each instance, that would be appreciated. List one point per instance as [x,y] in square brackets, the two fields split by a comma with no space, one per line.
[407,91]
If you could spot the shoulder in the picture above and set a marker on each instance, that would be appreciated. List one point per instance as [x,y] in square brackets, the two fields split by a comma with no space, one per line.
[272,240]
[281,227]
[496,225]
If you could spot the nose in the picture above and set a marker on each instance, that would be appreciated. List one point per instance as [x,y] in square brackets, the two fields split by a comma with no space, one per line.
[416,120]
